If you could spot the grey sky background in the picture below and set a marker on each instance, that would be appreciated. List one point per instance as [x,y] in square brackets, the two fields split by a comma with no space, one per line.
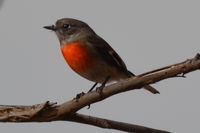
[1,3]
[146,34]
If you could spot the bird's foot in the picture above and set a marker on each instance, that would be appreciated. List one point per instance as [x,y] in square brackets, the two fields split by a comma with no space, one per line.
[78,96]
[100,89]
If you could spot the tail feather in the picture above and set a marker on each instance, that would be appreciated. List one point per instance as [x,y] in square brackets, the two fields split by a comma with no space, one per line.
[147,87]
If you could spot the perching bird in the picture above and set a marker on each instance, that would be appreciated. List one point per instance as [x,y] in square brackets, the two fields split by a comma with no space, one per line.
[88,54]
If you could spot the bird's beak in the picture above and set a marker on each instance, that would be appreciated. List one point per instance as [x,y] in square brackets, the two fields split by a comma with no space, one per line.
[52,27]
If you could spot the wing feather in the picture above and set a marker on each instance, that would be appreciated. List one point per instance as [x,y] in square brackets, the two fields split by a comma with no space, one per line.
[107,53]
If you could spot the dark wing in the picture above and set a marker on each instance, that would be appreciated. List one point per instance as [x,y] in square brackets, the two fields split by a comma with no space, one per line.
[112,58]
[107,53]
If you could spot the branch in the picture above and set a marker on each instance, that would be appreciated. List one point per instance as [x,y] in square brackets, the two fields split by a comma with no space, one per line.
[67,111]
[110,124]
[27,113]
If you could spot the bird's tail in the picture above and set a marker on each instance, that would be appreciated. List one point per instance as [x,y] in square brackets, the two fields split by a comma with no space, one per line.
[147,87]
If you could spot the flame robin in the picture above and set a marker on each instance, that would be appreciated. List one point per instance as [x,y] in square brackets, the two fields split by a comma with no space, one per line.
[88,54]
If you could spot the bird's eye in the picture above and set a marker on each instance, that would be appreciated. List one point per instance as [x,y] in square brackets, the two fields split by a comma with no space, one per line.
[66,26]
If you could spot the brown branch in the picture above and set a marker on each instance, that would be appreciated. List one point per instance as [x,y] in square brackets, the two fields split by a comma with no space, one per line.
[27,113]
[110,124]
[67,111]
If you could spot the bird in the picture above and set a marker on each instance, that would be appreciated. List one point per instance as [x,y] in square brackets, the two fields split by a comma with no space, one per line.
[89,55]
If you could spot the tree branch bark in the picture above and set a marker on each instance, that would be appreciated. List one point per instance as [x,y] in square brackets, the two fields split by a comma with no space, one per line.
[67,111]
[110,124]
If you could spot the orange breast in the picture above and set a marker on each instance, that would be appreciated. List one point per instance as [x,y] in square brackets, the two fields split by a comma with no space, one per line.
[77,56]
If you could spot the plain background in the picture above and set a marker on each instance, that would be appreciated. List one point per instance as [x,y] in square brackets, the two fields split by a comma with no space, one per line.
[146,34]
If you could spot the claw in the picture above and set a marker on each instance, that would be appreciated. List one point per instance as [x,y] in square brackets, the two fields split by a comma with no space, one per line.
[78,96]
[88,106]
[100,89]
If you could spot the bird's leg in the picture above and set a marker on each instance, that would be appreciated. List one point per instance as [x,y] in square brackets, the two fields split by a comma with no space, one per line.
[100,88]
[93,87]
[91,90]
